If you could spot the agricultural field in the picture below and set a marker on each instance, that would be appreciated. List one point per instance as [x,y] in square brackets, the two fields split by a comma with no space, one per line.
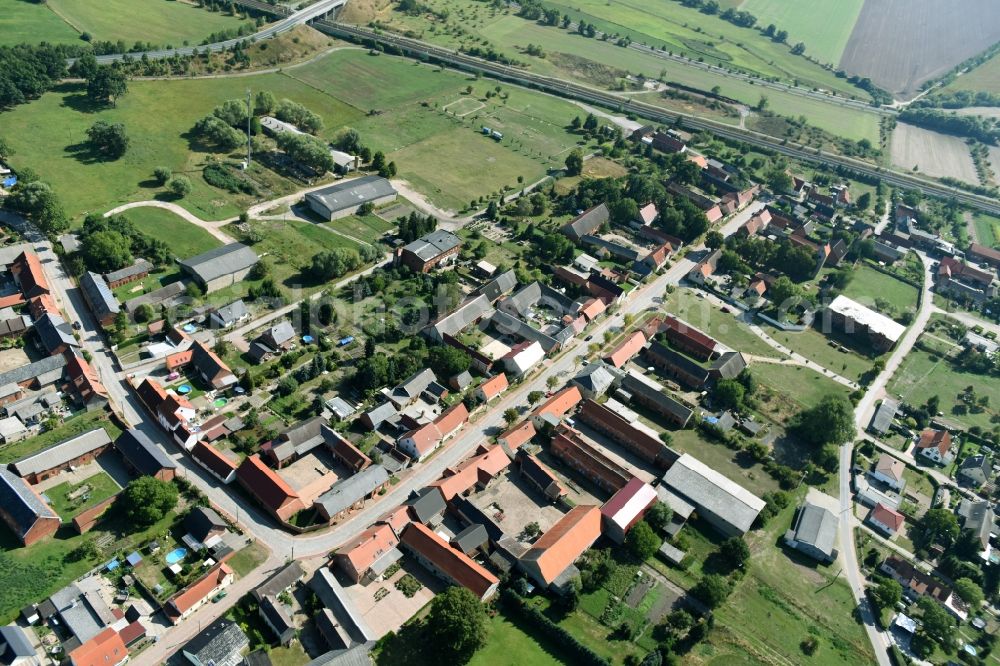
[934,154]
[30,22]
[185,239]
[920,376]
[823,25]
[884,293]
[986,77]
[161,22]
[900,44]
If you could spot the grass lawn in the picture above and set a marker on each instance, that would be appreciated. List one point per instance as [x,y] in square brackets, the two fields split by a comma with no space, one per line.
[987,228]
[293,655]
[722,326]
[185,239]
[158,278]
[101,487]
[367,228]
[920,376]
[32,22]
[156,21]
[509,644]
[817,348]
[248,558]
[868,285]
[918,483]
[824,25]
[796,383]
[72,427]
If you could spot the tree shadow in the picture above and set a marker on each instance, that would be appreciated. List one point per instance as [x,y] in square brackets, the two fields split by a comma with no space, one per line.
[79,101]
[84,153]
[407,647]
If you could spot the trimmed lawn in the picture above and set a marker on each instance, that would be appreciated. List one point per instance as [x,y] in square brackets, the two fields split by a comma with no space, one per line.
[987,228]
[72,427]
[920,376]
[293,655]
[157,21]
[796,383]
[817,348]
[184,238]
[101,487]
[31,22]
[723,326]
[509,644]
[868,285]
[824,25]
[248,558]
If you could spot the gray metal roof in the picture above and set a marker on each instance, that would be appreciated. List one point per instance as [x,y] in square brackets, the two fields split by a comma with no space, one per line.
[54,331]
[537,294]
[220,261]
[277,616]
[352,193]
[340,407]
[62,452]
[467,313]
[426,503]
[218,643]
[511,325]
[164,293]
[596,378]
[415,384]
[817,527]
[14,643]
[143,453]
[232,312]
[588,222]
[351,490]
[280,581]
[21,503]
[649,389]
[498,286]
[140,267]
[884,415]
[355,656]
[709,490]
[433,244]
[384,412]
[278,334]
[472,537]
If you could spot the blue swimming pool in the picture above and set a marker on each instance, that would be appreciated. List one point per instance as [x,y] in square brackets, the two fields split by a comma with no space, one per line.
[176,555]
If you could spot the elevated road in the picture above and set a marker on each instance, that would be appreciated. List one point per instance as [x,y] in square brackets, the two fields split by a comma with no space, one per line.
[289,21]
[608,100]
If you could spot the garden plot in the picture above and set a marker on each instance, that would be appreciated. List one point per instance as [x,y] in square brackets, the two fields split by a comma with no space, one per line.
[934,154]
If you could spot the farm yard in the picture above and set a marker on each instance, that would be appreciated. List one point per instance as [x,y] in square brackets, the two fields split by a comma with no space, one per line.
[934,154]
[900,44]
[823,25]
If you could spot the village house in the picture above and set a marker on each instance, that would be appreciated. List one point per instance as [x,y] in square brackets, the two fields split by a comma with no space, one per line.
[855,319]
[144,457]
[190,599]
[540,476]
[516,436]
[886,520]
[102,302]
[421,442]
[222,643]
[491,388]
[24,511]
[549,561]
[351,493]
[366,557]
[435,249]
[138,270]
[476,473]
[814,533]
[631,435]
[935,445]
[53,460]
[448,563]
[889,471]
[269,489]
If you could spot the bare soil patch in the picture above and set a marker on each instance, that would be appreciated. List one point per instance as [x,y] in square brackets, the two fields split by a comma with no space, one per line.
[899,44]
[13,358]
[934,154]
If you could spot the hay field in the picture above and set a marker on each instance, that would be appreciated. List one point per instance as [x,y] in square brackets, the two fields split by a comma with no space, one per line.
[900,44]
[934,154]
[823,25]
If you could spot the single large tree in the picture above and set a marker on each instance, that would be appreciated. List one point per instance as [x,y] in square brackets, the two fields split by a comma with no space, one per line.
[456,625]
[105,251]
[831,421]
[712,589]
[36,201]
[938,526]
[574,163]
[109,139]
[107,84]
[148,499]
[887,593]
[642,542]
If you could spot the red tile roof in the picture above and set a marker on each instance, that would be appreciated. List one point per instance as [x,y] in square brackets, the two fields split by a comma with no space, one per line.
[265,484]
[213,459]
[84,378]
[30,274]
[351,455]
[179,359]
[194,593]
[425,438]
[631,346]
[564,542]
[151,394]
[592,308]
[938,439]
[363,550]
[494,386]
[12,301]
[451,418]
[518,435]
[481,468]
[43,304]
[888,517]
[132,632]
[561,402]
[104,649]
[683,334]
[457,566]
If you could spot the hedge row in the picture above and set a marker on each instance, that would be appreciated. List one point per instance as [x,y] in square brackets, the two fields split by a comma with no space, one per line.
[581,653]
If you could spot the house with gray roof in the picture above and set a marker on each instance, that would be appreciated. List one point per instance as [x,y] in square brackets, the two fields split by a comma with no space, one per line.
[426,505]
[977,517]
[499,286]
[144,456]
[468,313]
[471,539]
[595,379]
[882,419]
[24,511]
[407,392]
[168,294]
[587,222]
[352,492]
[375,417]
[437,248]
[507,324]
[340,408]
[814,533]
[295,442]
[55,334]
[347,196]
[15,647]
[974,471]
[12,429]
[37,375]
[137,271]
[52,460]
[99,298]
[280,581]
[278,337]
[727,506]
[221,643]
[537,296]
[276,617]
[229,315]
[640,388]
[82,609]
[220,267]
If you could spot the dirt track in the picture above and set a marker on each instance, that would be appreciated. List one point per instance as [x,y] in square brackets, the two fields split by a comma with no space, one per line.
[933,153]
[899,44]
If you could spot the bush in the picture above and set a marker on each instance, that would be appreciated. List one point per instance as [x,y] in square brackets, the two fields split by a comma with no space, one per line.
[218,175]
[162,175]
[180,186]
